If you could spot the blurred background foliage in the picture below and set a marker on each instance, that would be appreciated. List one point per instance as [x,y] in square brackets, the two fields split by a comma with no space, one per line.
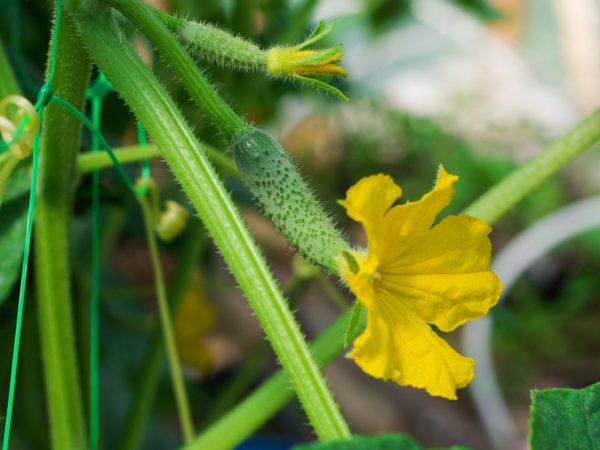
[478,86]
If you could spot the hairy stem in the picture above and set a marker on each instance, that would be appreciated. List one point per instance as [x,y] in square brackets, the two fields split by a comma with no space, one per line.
[59,146]
[198,86]
[186,158]
[216,45]
[270,397]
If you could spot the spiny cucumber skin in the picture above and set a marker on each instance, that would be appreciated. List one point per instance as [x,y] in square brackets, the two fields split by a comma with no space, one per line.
[279,189]
[218,46]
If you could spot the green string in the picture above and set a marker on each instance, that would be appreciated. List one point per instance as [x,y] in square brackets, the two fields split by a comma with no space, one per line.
[44,97]
[103,142]
[97,92]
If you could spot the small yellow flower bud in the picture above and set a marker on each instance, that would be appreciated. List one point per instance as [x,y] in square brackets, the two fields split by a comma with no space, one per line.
[300,64]
[286,61]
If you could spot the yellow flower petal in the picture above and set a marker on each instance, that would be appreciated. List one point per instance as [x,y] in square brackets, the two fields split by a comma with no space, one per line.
[444,278]
[396,345]
[415,218]
[368,201]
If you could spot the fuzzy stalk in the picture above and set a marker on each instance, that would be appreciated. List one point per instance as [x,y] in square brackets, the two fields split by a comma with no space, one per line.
[191,167]
[58,152]
[216,45]
[204,95]
[252,412]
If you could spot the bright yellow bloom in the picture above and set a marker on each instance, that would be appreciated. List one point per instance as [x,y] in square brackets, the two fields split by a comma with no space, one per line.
[415,274]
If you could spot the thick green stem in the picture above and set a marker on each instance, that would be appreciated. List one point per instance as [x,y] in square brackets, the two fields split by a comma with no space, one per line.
[510,191]
[59,146]
[186,158]
[149,376]
[166,324]
[202,92]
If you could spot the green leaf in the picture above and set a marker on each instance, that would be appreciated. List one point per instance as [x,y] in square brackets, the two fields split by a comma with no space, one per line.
[353,324]
[320,85]
[565,419]
[381,442]
[13,220]
[316,35]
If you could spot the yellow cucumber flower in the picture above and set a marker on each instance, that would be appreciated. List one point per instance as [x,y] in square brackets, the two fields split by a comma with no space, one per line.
[414,274]
[287,61]
[298,63]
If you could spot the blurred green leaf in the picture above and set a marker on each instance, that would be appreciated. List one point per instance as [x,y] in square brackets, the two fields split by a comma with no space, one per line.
[13,220]
[18,183]
[381,442]
[565,419]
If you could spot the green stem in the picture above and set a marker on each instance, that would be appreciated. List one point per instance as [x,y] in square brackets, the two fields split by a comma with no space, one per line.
[183,406]
[510,191]
[59,145]
[186,158]
[149,376]
[87,162]
[245,375]
[216,45]
[202,92]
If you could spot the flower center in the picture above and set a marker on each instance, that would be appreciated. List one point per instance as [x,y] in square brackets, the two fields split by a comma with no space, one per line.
[374,276]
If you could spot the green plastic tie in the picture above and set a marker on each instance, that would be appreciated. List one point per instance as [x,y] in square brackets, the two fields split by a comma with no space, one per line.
[97,92]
